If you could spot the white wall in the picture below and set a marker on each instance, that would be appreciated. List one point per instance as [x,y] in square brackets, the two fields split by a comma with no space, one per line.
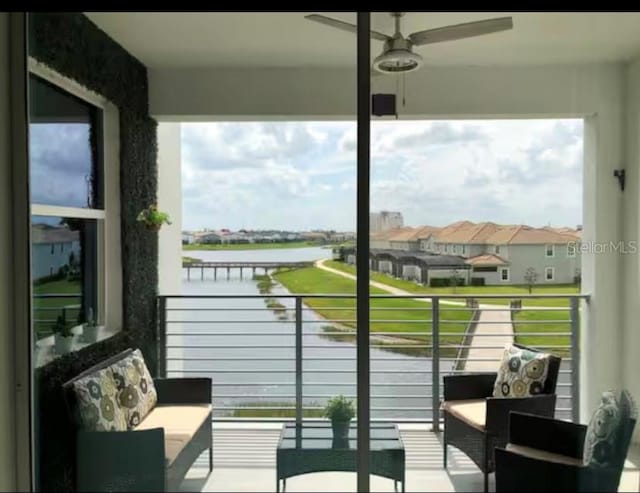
[170,200]
[593,91]
[631,217]
[7,385]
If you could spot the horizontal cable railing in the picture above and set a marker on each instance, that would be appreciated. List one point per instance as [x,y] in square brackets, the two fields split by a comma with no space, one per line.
[281,356]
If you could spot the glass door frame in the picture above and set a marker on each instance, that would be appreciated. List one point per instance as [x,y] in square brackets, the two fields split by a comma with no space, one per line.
[363,365]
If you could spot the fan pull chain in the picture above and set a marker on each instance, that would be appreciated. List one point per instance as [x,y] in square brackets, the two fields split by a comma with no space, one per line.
[397,91]
[404,90]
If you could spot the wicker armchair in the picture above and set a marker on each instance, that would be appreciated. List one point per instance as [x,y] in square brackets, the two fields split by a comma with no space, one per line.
[545,454]
[475,422]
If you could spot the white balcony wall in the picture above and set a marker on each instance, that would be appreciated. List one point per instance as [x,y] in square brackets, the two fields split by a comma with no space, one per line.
[595,92]
[170,201]
[170,236]
[7,384]
[631,217]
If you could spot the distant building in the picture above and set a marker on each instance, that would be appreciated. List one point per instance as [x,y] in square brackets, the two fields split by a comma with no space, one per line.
[494,253]
[53,249]
[188,238]
[384,221]
[208,238]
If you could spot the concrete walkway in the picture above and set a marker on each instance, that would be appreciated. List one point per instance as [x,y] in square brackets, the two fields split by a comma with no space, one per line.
[492,319]
[489,347]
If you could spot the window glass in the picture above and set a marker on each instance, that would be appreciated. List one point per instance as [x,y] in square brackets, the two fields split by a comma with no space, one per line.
[65,148]
[64,271]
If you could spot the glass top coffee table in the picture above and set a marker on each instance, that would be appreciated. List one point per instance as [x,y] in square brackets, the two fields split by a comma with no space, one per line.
[310,447]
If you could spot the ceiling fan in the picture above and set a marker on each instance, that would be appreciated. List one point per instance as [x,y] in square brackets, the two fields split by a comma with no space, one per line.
[397,55]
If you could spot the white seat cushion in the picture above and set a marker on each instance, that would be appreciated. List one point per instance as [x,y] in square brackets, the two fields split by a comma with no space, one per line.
[534,453]
[180,423]
[472,411]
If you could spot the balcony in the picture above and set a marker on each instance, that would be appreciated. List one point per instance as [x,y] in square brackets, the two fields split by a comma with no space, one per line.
[273,358]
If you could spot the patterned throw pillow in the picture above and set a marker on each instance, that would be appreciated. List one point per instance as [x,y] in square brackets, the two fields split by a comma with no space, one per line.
[601,432]
[137,394]
[96,403]
[522,373]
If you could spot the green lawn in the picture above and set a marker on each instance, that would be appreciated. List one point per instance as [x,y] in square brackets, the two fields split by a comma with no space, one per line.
[387,315]
[248,410]
[251,246]
[559,323]
[513,291]
[190,260]
[46,310]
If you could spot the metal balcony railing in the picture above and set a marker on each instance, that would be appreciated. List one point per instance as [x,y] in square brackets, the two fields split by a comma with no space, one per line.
[281,356]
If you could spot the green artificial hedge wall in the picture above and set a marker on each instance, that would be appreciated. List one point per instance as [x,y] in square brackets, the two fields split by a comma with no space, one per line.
[75,47]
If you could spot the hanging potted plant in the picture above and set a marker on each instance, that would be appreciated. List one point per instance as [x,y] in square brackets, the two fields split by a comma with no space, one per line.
[340,411]
[63,336]
[153,218]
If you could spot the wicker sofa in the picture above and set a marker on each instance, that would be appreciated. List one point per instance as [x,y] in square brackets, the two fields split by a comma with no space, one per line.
[153,454]
[475,422]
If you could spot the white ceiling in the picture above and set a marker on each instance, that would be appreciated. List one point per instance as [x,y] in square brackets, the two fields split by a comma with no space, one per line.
[284,39]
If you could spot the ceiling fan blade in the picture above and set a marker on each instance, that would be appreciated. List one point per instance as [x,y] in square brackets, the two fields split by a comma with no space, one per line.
[345,26]
[461,31]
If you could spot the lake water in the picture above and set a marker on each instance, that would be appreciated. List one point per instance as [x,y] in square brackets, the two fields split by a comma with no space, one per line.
[249,351]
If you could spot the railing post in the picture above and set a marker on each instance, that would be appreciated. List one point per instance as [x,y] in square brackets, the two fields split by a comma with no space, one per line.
[161,337]
[435,362]
[298,360]
[574,317]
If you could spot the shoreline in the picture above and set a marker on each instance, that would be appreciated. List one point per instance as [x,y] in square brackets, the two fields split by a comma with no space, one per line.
[243,247]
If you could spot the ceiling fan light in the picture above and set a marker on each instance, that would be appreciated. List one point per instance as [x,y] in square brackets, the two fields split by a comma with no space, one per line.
[394,61]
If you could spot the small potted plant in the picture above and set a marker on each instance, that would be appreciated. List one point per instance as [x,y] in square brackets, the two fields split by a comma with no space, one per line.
[340,411]
[63,336]
[90,328]
[152,218]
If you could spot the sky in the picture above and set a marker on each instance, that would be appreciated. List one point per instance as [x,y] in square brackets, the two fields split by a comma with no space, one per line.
[302,175]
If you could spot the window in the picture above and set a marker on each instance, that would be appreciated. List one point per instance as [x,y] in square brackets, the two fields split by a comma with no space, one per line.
[70,222]
[549,273]
[571,249]
[504,274]
[549,251]
[464,249]
[496,249]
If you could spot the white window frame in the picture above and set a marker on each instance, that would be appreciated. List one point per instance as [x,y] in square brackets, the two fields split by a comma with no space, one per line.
[571,252]
[508,271]
[553,274]
[553,250]
[109,268]
[496,249]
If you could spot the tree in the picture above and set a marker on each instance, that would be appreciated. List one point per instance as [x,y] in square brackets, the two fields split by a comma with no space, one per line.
[455,275]
[530,277]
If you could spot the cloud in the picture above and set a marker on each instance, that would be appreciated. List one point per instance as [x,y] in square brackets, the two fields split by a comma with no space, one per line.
[302,175]
[60,157]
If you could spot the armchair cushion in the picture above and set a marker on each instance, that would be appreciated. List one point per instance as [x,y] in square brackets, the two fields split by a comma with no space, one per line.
[539,454]
[471,411]
[606,429]
[96,407]
[136,391]
[522,373]
[180,424]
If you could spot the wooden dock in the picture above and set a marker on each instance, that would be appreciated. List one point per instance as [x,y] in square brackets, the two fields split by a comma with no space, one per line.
[254,266]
